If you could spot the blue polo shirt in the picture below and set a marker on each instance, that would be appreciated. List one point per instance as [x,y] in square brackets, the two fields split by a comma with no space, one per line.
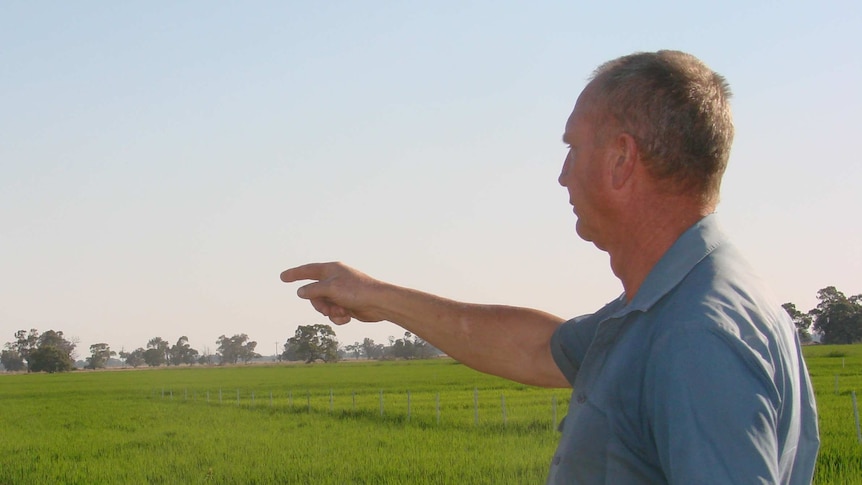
[698,380]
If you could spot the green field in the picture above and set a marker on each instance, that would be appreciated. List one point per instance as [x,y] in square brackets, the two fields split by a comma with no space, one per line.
[426,422]
[836,372]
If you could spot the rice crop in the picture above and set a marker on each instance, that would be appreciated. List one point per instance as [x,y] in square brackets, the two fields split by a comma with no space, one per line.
[439,423]
[421,422]
[836,373]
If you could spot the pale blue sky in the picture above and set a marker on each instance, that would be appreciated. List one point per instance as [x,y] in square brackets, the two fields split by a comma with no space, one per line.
[162,162]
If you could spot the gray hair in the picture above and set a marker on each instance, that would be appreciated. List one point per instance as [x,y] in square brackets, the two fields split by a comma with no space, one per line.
[677,110]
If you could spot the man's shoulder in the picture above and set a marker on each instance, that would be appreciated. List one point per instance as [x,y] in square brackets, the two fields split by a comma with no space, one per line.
[723,301]
[722,285]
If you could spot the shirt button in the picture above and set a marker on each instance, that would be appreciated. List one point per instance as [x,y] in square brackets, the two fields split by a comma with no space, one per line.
[582,398]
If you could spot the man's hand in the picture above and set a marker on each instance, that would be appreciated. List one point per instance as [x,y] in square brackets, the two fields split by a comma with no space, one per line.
[506,341]
[338,291]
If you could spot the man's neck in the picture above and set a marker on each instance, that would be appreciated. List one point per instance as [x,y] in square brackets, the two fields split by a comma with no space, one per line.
[648,237]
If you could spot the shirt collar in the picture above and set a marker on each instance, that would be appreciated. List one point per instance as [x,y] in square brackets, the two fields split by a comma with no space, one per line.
[692,246]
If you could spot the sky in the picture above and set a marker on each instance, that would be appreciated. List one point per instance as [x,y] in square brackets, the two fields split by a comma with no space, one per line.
[162,162]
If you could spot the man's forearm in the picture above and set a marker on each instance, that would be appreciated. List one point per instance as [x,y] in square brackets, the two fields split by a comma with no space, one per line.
[506,341]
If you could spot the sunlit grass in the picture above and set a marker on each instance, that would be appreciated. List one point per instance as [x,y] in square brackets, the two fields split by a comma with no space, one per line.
[322,424]
[836,372]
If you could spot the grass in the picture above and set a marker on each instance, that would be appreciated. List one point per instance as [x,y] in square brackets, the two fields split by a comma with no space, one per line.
[322,424]
[116,427]
[836,373]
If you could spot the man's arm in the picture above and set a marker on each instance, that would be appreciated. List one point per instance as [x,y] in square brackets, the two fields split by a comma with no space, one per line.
[505,341]
[713,410]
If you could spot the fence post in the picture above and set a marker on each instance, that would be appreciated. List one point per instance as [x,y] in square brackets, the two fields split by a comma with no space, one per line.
[856,415]
[270,398]
[438,408]
[237,397]
[330,400]
[408,405]
[308,400]
[219,395]
[381,402]
[554,407]
[836,384]
[503,406]
[476,406]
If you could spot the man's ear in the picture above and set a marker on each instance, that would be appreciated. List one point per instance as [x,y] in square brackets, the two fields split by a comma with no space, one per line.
[627,156]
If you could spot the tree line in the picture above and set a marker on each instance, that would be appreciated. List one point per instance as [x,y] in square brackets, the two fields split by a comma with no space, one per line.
[837,319]
[51,351]
[48,352]
[318,342]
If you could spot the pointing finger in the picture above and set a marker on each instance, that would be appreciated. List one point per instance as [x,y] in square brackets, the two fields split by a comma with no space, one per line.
[312,271]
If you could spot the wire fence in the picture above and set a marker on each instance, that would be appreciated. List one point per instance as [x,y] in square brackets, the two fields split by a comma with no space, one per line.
[533,410]
[507,409]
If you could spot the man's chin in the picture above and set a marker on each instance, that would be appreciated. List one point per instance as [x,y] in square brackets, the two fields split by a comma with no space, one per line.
[587,236]
[582,232]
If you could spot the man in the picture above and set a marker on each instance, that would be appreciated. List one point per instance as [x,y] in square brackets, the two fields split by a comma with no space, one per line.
[693,375]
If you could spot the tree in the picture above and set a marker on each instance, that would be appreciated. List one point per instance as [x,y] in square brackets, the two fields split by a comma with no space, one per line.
[157,352]
[56,339]
[236,348]
[290,353]
[49,358]
[355,348]
[99,355]
[371,350]
[182,353]
[311,343]
[50,351]
[410,347]
[837,317]
[25,342]
[206,358]
[402,348]
[134,358]
[801,320]
[11,360]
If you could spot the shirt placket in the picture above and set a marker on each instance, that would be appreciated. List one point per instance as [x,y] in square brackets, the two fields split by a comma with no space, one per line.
[606,335]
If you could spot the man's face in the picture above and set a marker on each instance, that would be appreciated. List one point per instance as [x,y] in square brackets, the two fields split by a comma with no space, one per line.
[582,173]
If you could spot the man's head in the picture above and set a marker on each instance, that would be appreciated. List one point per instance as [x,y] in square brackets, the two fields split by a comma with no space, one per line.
[677,111]
[649,140]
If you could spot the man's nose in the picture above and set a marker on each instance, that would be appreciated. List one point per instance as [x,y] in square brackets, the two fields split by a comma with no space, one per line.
[563,172]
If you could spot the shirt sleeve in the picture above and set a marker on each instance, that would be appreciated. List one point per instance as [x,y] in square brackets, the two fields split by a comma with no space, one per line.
[569,344]
[712,410]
